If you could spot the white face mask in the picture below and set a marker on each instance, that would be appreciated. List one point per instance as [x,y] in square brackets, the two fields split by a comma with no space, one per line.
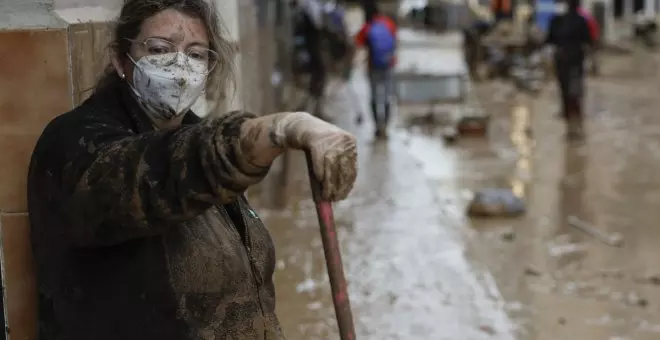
[168,91]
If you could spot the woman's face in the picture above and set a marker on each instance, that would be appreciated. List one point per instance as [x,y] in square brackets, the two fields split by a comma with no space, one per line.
[178,28]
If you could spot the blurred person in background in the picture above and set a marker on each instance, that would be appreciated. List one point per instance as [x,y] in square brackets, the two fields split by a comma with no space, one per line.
[340,44]
[570,36]
[309,27]
[378,35]
[139,223]
[502,10]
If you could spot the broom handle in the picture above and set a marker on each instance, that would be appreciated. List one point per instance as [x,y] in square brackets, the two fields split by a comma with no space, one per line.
[333,261]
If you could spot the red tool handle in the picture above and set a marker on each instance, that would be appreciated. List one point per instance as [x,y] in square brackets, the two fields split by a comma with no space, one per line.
[332,259]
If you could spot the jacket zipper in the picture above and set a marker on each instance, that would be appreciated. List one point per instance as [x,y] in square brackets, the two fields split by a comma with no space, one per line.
[257,277]
[247,243]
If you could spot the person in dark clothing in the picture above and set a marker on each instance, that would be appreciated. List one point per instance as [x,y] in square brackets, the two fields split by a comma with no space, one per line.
[569,34]
[140,226]
[310,27]
[340,46]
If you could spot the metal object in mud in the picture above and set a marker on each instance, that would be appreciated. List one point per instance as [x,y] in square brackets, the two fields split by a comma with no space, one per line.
[473,126]
[614,239]
[332,259]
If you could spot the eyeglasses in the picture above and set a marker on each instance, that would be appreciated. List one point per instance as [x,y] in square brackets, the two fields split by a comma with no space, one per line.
[196,56]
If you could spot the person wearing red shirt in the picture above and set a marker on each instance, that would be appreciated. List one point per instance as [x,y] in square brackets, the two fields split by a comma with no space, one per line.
[378,35]
[502,9]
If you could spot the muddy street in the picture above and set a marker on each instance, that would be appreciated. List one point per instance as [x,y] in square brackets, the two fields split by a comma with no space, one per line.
[419,268]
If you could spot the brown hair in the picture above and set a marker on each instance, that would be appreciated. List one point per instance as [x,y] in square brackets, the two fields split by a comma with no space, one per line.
[135,12]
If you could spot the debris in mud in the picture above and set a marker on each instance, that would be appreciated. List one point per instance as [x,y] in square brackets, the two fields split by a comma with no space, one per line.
[652,279]
[561,321]
[566,249]
[633,299]
[531,271]
[475,126]
[508,234]
[487,329]
[613,239]
[450,134]
[562,247]
[496,203]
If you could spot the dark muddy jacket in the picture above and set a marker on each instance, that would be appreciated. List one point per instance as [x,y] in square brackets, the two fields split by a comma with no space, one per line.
[145,235]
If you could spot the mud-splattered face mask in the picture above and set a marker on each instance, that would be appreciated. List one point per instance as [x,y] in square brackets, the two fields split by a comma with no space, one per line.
[167,90]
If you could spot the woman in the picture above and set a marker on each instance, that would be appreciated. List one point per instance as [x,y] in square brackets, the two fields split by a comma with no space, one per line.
[139,224]
[309,27]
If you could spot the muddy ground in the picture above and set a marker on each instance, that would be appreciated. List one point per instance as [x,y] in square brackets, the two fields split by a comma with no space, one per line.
[418,268]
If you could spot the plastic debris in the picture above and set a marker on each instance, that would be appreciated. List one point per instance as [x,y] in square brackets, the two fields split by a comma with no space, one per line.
[509,234]
[496,203]
[531,271]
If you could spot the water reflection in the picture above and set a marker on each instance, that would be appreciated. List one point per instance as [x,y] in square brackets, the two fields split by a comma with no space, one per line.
[520,125]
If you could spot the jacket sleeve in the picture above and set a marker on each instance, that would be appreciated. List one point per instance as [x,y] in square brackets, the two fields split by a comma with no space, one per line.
[116,185]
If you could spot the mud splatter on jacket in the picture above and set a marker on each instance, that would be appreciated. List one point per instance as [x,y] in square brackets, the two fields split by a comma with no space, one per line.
[145,235]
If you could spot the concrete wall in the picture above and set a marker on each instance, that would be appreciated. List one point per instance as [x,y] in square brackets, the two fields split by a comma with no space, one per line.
[249,62]
[52,53]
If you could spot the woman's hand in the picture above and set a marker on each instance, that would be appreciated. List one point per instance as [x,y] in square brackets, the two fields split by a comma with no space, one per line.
[333,151]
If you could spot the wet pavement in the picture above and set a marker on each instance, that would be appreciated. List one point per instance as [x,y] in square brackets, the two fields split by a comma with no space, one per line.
[418,268]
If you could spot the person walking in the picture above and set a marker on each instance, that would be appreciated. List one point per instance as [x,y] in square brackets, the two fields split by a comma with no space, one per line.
[309,26]
[379,36]
[570,34]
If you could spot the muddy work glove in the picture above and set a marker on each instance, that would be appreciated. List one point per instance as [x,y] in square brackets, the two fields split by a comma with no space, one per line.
[333,151]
